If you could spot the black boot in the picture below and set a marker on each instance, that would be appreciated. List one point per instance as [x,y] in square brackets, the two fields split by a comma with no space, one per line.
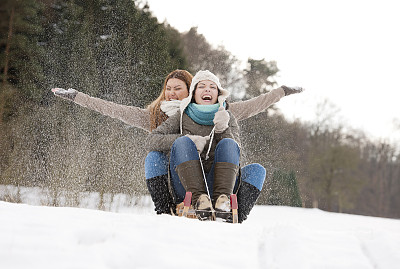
[247,197]
[158,188]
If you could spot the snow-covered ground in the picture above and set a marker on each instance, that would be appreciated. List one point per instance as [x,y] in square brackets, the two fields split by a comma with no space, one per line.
[273,237]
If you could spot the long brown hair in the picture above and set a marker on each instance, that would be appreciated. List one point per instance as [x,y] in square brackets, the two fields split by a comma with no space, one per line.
[157,116]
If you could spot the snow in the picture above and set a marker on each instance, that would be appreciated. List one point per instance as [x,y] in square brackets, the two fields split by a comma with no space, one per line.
[273,237]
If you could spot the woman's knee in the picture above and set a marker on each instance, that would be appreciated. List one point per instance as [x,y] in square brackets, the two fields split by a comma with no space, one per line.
[254,174]
[258,169]
[227,150]
[183,142]
[227,143]
[183,149]
[155,164]
[155,157]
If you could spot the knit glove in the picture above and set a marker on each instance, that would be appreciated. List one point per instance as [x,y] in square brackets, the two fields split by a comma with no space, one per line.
[200,141]
[69,94]
[221,120]
[292,90]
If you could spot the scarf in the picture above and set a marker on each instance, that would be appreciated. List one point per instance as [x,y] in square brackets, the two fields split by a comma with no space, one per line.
[170,107]
[202,114]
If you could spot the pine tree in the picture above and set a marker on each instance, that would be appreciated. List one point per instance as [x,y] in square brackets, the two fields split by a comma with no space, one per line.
[294,198]
[70,48]
[112,50]
[176,48]
[202,56]
[283,189]
[260,77]
[20,53]
[275,193]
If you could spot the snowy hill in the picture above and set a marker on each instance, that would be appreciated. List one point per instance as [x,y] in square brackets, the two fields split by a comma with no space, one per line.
[273,237]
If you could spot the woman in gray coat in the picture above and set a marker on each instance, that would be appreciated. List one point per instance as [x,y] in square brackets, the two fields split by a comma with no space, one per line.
[176,87]
[203,141]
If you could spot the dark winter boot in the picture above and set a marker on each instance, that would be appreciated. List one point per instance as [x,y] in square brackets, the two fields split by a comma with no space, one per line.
[158,188]
[191,176]
[203,208]
[247,197]
[224,181]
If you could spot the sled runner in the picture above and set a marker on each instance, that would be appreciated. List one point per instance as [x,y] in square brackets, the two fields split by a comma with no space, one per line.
[185,209]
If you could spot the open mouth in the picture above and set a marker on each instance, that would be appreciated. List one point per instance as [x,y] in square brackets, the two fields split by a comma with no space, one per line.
[206,97]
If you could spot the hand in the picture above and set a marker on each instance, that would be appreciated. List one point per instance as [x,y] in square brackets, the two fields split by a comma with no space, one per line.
[292,90]
[221,120]
[200,141]
[69,94]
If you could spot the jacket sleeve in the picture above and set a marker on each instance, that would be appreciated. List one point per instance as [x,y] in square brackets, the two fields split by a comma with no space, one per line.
[246,109]
[162,138]
[134,116]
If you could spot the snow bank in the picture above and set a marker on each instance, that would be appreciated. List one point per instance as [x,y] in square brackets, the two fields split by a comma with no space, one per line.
[273,237]
[118,202]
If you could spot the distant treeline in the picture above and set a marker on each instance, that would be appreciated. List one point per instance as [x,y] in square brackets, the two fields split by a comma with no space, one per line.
[118,51]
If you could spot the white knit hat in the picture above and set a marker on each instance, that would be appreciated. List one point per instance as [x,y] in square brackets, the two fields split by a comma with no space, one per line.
[200,76]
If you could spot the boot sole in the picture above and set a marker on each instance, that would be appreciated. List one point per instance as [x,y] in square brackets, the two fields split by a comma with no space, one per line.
[223,216]
[204,215]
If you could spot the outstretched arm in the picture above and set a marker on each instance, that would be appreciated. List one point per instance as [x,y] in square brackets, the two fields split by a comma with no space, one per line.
[246,109]
[134,116]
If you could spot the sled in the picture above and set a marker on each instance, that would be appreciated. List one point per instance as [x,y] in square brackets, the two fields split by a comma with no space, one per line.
[185,209]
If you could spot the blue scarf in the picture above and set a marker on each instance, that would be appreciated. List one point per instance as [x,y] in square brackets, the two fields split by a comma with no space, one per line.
[202,114]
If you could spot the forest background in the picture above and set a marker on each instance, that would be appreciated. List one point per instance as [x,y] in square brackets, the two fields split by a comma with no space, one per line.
[118,51]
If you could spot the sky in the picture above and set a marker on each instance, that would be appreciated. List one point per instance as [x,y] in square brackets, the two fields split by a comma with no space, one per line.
[133,236]
[343,51]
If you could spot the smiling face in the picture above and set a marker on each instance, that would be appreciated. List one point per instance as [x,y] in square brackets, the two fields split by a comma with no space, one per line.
[176,89]
[206,93]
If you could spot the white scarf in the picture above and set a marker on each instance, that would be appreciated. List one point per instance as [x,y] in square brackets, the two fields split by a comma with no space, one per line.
[170,107]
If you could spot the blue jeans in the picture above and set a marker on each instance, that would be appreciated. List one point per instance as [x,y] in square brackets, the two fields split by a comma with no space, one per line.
[184,149]
[156,164]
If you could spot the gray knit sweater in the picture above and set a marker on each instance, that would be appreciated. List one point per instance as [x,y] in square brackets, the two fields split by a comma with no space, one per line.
[162,138]
[140,118]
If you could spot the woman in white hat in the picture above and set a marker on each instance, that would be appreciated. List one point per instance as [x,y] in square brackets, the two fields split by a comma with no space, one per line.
[176,87]
[202,138]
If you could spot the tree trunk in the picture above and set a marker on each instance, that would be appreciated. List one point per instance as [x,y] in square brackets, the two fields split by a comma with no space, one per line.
[3,91]
[7,51]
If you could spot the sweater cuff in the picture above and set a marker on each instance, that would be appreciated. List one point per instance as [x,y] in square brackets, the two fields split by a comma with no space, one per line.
[280,91]
[80,98]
